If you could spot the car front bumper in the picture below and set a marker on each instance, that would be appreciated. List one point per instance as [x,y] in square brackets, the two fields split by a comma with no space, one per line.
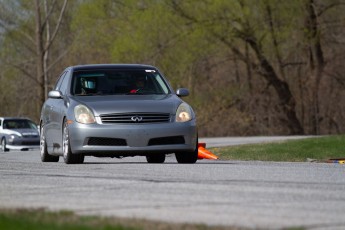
[23,144]
[23,147]
[132,139]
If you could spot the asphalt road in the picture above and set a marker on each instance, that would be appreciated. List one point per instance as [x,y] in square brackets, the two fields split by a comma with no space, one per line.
[268,195]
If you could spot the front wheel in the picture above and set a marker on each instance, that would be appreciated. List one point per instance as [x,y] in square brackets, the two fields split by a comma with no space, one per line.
[45,156]
[68,156]
[155,158]
[3,145]
[187,157]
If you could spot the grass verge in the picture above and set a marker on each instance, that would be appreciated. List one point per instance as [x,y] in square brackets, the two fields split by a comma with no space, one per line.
[318,148]
[40,219]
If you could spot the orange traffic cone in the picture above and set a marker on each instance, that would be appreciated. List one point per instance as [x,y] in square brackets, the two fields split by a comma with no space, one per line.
[202,145]
[203,153]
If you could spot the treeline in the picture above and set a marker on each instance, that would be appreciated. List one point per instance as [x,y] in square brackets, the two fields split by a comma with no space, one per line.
[268,67]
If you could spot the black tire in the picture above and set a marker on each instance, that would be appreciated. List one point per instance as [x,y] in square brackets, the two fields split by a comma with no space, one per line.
[187,157]
[45,156]
[155,158]
[68,156]
[3,145]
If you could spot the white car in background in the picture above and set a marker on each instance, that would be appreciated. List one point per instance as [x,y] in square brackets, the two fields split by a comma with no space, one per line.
[18,134]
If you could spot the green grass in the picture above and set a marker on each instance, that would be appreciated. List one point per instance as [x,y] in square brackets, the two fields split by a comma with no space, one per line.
[319,148]
[40,219]
[36,219]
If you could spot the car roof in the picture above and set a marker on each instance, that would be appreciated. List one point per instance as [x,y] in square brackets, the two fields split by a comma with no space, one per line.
[111,66]
[14,118]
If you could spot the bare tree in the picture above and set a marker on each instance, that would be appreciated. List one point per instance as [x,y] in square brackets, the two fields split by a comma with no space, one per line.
[43,44]
[241,30]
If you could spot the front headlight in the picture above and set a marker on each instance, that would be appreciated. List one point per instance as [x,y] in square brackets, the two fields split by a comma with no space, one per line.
[13,137]
[83,115]
[183,113]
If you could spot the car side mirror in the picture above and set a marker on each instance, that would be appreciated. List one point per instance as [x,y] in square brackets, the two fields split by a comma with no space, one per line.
[182,92]
[55,94]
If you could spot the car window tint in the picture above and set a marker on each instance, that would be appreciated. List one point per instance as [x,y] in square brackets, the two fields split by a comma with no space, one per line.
[32,125]
[161,84]
[18,124]
[105,82]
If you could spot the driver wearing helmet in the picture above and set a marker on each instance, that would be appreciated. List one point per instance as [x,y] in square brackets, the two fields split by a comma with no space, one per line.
[140,83]
[88,85]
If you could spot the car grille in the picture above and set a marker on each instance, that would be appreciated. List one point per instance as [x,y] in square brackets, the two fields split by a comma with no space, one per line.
[30,143]
[135,118]
[29,136]
[100,141]
[175,140]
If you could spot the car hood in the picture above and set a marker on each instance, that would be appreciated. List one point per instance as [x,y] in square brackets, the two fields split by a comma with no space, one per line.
[130,103]
[21,132]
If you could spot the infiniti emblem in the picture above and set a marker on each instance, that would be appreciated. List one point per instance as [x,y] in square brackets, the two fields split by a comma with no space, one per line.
[136,118]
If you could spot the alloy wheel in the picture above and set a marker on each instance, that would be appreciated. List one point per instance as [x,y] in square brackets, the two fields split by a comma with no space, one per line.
[42,142]
[3,145]
[65,142]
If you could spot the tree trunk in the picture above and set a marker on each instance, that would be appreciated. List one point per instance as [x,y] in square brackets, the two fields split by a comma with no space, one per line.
[39,58]
[249,70]
[46,54]
[42,48]
[286,99]
[317,64]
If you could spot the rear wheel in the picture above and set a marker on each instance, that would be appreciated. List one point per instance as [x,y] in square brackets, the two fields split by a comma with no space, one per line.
[3,145]
[68,156]
[45,156]
[156,158]
[187,157]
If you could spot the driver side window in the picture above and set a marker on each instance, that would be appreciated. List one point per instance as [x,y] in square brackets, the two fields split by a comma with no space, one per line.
[59,82]
[62,83]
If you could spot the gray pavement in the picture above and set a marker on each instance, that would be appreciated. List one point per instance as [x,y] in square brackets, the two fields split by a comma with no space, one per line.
[268,195]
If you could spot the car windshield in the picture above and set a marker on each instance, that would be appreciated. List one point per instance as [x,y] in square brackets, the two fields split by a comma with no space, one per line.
[19,124]
[115,82]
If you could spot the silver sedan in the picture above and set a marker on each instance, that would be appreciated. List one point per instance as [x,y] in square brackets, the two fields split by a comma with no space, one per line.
[116,111]
[18,133]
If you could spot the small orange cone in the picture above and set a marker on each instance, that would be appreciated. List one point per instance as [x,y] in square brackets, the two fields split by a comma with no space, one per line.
[203,153]
[202,145]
